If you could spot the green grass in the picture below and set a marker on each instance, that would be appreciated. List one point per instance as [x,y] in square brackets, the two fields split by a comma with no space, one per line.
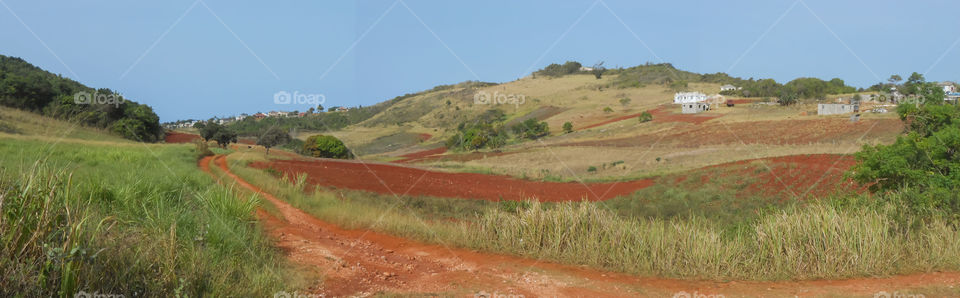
[130,219]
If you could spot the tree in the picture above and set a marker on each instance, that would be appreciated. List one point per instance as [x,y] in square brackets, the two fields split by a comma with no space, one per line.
[567,127]
[598,70]
[310,110]
[273,137]
[327,147]
[319,108]
[894,79]
[913,83]
[213,131]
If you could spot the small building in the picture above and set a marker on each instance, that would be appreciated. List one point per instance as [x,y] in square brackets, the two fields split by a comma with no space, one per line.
[259,115]
[694,107]
[586,68]
[728,87]
[836,108]
[688,97]
[948,87]
[342,109]
[953,96]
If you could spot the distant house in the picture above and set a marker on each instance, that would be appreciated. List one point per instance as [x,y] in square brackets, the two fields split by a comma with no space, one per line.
[836,108]
[259,115]
[342,109]
[694,107]
[584,68]
[688,97]
[302,114]
[728,87]
[948,87]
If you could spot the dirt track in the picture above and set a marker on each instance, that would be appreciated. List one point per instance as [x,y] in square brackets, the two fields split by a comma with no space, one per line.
[358,262]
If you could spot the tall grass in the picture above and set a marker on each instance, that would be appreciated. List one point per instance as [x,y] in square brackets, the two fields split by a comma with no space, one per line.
[815,241]
[132,220]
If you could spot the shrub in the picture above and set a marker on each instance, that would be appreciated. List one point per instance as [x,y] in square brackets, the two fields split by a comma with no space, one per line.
[531,129]
[567,127]
[645,117]
[592,169]
[327,147]
[607,110]
[202,150]
[625,101]
[557,70]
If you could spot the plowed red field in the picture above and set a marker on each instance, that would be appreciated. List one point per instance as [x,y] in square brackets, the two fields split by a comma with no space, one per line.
[400,180]
[800,176]
[174,137]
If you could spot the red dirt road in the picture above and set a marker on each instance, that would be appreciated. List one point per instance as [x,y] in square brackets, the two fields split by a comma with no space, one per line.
[361,263]
[400,180]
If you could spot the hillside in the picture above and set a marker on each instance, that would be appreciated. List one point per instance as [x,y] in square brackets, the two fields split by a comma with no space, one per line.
[605,129]
[27,87]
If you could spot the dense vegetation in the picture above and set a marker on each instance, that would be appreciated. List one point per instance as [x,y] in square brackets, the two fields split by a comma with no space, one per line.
[558,70]
[27,87]
[327,147]
[923,166]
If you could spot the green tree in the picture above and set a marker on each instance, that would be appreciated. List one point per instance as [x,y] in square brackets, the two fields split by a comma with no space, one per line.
[895,79]
[273,137]
[213,131]
[326,147]
[531,129]
[567,127]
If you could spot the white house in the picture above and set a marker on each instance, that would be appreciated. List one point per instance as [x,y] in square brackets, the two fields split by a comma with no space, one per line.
[728,87]
[693,108]
[585,68]
[688,97]
[948,87]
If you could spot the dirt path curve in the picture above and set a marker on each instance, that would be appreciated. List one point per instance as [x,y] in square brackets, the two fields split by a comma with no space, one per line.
[361,263]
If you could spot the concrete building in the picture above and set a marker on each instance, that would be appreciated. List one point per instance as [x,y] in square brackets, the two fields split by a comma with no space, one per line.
[688,97]
[948,87]
[694,107]
[836,108]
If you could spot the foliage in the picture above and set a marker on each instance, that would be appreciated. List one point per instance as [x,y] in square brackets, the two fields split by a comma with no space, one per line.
[531,129]
[213,131]
[27,87]
[567,127]
[273,137]
[326,147]
[645,117]
[924,163]
[484,132]
[558,70]
[202,149]
[607,110]
[625,101]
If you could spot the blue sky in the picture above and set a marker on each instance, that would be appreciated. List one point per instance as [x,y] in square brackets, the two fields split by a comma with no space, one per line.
[197,59]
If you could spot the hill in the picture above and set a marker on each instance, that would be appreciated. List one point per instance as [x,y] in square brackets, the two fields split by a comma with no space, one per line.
[27,87]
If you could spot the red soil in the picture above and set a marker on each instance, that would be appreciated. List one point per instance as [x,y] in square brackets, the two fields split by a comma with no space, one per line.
[400,180]
[421,154]
[795,176]
[660,114]
[424,136]
[173,137]
[360,262]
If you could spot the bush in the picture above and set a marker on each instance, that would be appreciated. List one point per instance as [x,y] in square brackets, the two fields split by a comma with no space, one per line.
[531,129]
[592,169]
[645,117]
[567,127]
[625,101]
[607,110]
[327,147]
[557,70]
[202,150]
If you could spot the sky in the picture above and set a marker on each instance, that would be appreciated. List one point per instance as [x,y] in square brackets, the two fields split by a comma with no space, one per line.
[195,59]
